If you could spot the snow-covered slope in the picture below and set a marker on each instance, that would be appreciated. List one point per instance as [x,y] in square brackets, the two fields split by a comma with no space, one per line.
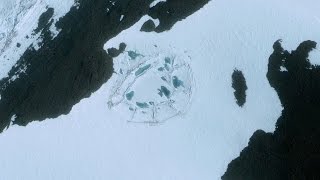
[95,142]
[18,18]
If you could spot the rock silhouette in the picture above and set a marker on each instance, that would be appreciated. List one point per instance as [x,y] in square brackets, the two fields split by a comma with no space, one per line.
[293,150]
[240,87]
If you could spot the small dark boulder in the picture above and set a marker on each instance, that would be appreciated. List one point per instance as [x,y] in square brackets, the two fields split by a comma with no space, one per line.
[240,87]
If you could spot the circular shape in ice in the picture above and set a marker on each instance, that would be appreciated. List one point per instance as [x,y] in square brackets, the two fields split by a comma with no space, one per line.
[153,87]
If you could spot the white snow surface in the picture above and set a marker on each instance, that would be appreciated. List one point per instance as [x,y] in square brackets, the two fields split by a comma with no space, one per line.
[94,142]
[18,18]
[155,2]
[154,87]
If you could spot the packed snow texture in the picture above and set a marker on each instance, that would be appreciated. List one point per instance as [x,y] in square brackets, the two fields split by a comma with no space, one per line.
[18,19]
[94,142]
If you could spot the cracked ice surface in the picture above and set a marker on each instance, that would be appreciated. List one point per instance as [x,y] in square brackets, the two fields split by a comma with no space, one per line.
[153,87]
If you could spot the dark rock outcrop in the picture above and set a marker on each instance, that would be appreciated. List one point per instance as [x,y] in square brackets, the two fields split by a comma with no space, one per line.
[293,150]
[240,87]
[44,20]
[74,64]
[171,11]
[148,26]
[114,52]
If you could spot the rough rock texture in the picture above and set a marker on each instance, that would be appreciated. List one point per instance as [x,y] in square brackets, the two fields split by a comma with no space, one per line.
[171,11]
[74,64]
[293,150]
[240,87]
[148,26]
[44,20]
[114,52]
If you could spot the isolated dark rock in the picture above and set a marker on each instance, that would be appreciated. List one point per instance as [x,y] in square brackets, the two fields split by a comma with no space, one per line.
[240,87]
[293,150]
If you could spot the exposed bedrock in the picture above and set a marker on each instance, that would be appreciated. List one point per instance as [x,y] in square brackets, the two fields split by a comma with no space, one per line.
[74,64]
[293,150]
